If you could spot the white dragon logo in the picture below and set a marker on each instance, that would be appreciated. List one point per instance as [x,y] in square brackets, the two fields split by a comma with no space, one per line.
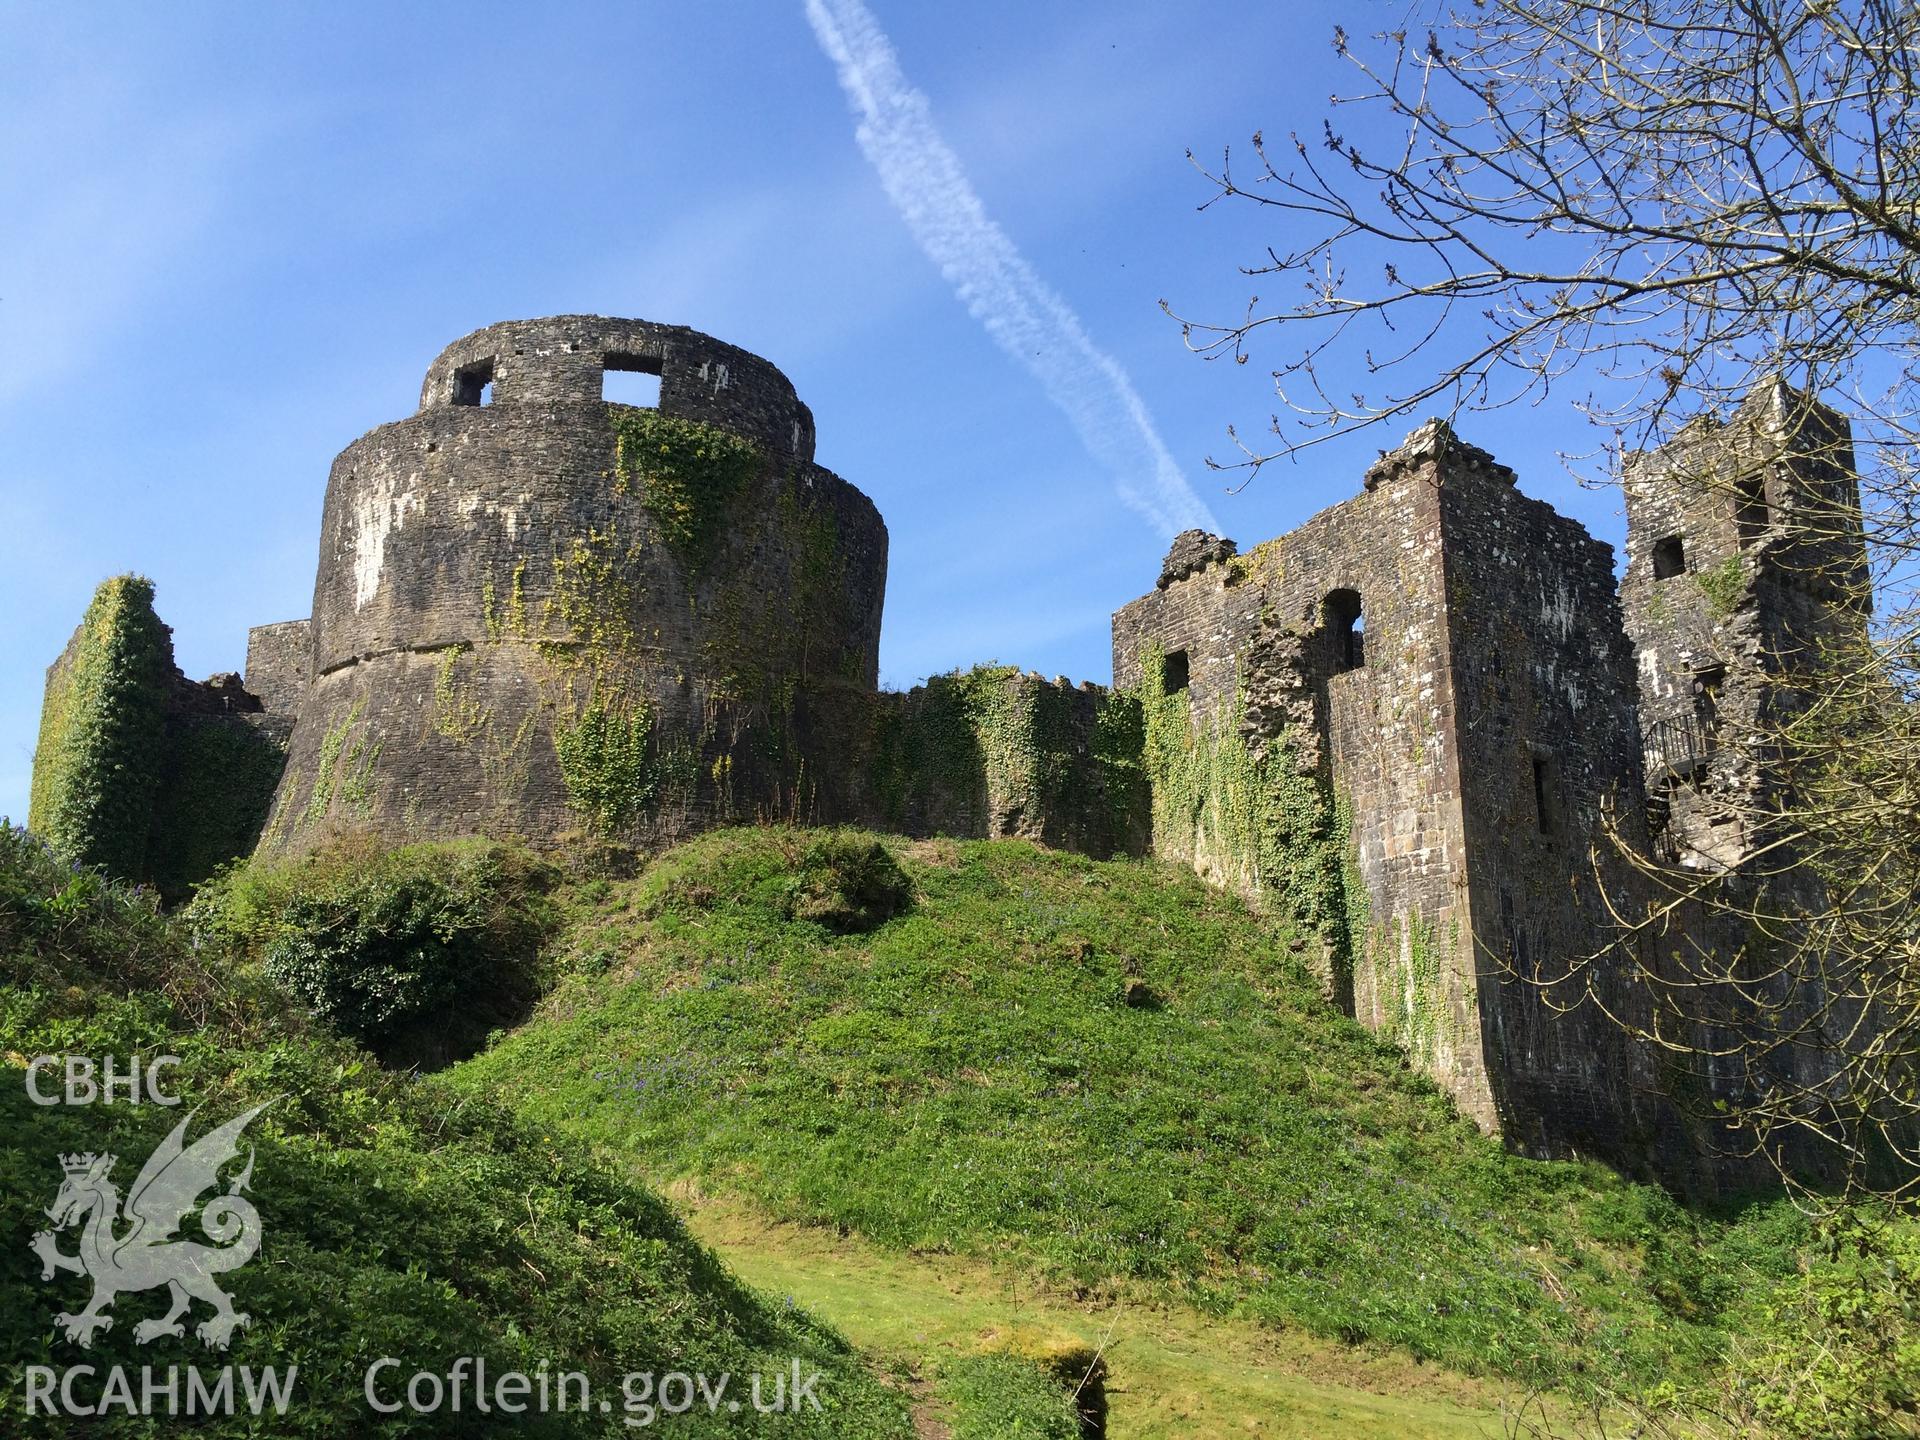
[147,1254]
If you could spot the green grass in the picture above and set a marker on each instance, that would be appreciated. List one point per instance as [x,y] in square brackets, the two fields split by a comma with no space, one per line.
[400,1217]
[1175,1373]
[1118,1078]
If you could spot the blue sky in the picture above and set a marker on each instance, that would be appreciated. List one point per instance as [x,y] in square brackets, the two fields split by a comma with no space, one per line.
[233,237]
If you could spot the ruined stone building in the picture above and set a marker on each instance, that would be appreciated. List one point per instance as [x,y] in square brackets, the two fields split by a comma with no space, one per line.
[1745,557]
[1420,725]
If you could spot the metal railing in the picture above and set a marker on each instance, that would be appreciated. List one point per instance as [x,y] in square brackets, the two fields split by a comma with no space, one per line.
[1678,745]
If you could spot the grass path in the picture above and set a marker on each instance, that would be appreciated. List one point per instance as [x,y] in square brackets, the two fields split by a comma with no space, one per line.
[1176,1374]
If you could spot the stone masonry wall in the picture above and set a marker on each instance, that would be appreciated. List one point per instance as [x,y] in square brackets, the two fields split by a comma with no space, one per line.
[1476,725]
[1544,715]
[1263,636]
[1744,557]
[520,628]
[993,753]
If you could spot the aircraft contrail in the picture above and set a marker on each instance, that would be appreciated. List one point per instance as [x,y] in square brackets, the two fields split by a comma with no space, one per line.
[1025,316]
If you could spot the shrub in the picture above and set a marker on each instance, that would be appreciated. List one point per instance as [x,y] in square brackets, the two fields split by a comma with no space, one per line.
[417,952]
[848,883]
[1837,1349]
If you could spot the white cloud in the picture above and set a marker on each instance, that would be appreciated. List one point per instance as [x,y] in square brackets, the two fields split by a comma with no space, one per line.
[1024,315]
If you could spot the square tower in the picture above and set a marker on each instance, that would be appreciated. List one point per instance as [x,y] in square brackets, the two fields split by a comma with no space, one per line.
[1746,563]
[1442,658]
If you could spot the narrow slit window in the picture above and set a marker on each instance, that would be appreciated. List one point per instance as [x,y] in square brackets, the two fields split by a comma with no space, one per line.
[1669,557]
[1347,626]
[1750,516]
[1173,676]
[631,380]
[473,384]
[1546,795]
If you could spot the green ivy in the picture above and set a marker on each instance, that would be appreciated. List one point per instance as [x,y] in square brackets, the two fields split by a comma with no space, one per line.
[1411,989]
[343,768]
[612,773]
[98,766]
[688,473]
[1277,831]
[221,774]
[1724,585]
[987,741]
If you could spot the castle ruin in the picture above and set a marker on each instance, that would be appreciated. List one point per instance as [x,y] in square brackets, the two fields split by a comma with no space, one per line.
[1421,725]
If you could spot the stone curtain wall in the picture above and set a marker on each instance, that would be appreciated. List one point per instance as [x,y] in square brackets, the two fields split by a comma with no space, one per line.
[992,752]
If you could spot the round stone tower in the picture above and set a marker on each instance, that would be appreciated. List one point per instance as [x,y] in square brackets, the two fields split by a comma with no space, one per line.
[542,613]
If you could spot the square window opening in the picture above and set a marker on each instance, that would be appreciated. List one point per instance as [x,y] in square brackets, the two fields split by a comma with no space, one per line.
[473,384]
[1174,673]
[631,380]
[1669,557]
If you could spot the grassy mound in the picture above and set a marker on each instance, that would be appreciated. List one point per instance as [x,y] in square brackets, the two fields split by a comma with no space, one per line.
[401,1218]
[1116,1073]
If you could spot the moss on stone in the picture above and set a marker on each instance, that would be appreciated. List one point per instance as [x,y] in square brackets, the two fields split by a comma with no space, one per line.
[1724,585]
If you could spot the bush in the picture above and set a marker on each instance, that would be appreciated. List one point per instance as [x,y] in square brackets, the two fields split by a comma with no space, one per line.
[64,924]
[418,952]
[848,883]
[1837,1350]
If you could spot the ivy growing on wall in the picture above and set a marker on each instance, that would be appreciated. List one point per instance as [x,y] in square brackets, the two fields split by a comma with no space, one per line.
[344,768]
[97,768]
[220,777]
[1272,829]
[989,741]
[688,473]
[613,773]
[1410,986]
[1723,585]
